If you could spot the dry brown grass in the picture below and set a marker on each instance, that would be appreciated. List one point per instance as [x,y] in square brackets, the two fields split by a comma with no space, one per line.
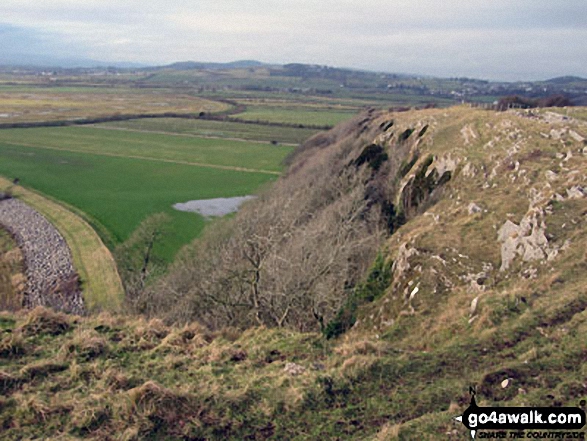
[46,321]
[388,432]
[7,382]
[47,105]
[151,404]
[42,368]
[185,340]
[85,345]
[12,345]
[154,330]
[91,418]
[352,346]
[12,279]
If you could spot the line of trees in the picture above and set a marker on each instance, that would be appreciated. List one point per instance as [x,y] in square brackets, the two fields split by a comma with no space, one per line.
[521,102]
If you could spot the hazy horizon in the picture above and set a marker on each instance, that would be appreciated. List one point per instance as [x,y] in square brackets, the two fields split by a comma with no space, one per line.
[526,40]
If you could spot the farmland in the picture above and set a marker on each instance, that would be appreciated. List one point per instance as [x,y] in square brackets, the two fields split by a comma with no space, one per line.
[29,105]
[289,115]
[119,178]
[196,151]
[215,129]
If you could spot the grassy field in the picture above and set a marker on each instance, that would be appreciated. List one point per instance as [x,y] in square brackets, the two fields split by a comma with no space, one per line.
[120,178]
[46,104]
[102,288]
[293,115]
[216,129]
[258,157]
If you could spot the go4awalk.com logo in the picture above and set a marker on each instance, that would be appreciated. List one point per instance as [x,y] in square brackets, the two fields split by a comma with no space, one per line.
[523,422]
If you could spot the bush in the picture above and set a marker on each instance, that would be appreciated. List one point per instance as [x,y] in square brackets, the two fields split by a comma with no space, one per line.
[378,280]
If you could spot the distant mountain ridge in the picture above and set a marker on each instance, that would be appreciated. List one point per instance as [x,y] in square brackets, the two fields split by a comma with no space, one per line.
[239,64]
[39,61]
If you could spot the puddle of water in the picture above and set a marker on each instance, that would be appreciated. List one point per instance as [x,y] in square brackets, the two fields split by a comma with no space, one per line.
[213,207]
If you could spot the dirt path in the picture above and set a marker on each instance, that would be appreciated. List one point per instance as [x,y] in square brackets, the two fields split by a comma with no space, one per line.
[49,266]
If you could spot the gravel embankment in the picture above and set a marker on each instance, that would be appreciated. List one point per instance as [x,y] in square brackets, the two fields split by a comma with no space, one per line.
[51,277]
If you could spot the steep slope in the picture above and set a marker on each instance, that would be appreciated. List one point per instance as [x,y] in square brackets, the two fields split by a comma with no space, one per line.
[436,249]
[508,230]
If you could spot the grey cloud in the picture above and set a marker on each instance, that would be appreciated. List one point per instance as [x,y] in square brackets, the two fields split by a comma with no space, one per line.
[490,39]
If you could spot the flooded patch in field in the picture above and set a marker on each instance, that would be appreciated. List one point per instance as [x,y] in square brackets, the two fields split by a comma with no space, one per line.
[213,207]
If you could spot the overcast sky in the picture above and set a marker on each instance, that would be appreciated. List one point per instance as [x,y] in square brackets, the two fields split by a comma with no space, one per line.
[489,39]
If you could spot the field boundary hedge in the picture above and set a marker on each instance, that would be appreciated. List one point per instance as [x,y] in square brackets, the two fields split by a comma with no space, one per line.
[114,118]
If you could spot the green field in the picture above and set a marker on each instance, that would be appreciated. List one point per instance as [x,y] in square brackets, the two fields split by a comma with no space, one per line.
[119,178]
[217,129]
[213,152]
[292,115]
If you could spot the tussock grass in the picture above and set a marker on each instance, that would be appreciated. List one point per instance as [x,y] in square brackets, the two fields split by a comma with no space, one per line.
[12,345]
[46,321]
[196,384]
[7,382]
[85,345]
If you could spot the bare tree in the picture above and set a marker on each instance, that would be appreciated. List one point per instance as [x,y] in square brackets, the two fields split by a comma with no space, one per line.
[136,262]
[290,257]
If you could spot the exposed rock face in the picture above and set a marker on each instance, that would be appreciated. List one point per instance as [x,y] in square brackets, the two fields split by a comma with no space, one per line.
[527,240]
[51,278]
[430,175]
[402,264]
[468,134]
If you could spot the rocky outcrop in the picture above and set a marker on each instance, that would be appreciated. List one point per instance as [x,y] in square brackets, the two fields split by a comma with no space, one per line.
[51,277]
[527,240]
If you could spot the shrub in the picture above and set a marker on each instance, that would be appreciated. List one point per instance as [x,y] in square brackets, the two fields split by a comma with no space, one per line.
[378,280]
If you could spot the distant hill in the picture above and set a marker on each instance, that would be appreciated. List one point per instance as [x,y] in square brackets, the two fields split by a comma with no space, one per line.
[187,65]
[566,80]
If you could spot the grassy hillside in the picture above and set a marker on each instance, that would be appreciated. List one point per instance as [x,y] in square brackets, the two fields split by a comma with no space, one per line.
[403,258]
